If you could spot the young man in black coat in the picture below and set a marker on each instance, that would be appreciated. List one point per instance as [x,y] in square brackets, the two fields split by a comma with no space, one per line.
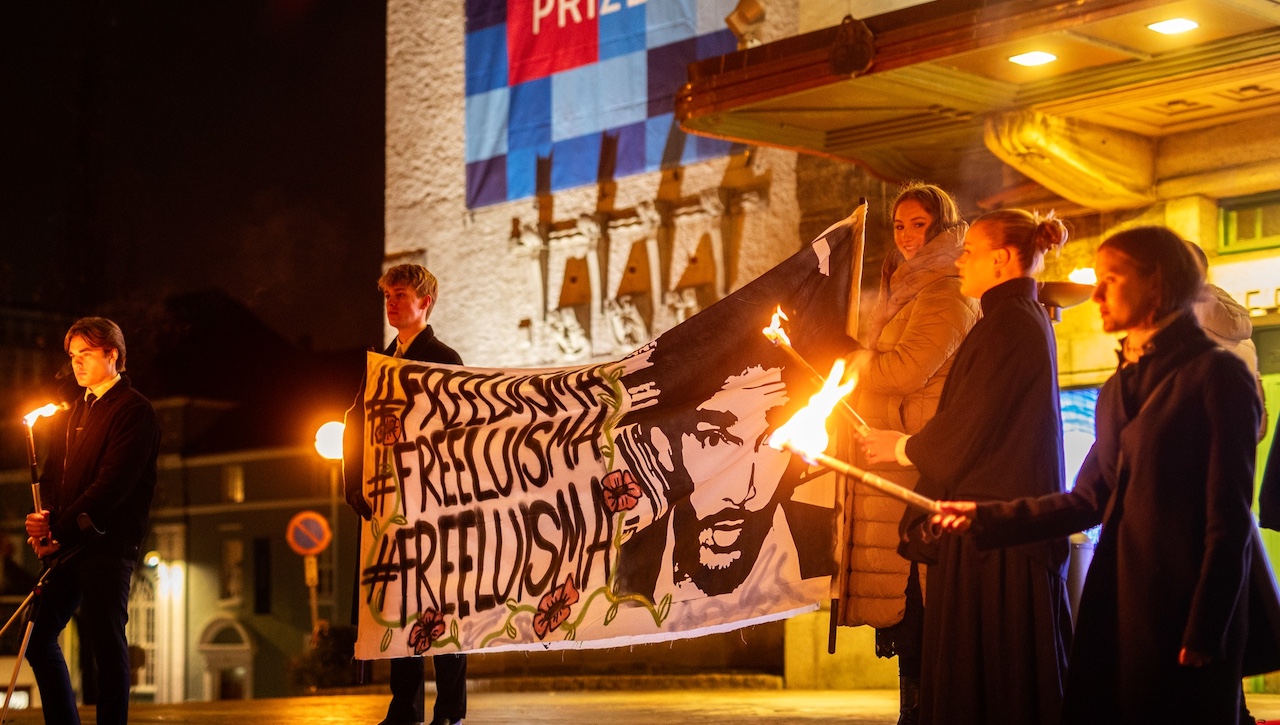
[410,294]
[102,464]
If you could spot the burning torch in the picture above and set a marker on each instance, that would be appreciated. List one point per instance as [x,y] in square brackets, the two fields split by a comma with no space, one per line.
[29,420]
[778,336]
[806,435]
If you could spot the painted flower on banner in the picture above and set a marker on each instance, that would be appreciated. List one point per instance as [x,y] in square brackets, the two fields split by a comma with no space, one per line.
[428,628]
[554,608]
[389,430]
[621,492]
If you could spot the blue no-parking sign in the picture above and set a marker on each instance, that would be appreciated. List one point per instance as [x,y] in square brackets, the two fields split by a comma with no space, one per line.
[308,533]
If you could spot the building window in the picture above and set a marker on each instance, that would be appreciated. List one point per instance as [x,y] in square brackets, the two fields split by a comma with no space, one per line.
[262,576]
[233,484]
[1079,408]
[324,567]
[1251,222]
[232,589]
[141,632]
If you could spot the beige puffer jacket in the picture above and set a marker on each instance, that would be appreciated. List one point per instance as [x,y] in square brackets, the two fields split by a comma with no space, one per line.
[899,390]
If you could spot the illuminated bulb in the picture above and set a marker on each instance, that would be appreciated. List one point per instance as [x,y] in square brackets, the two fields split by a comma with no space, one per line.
[1174,26]
[329,440]
[1034,58]
[1084,275]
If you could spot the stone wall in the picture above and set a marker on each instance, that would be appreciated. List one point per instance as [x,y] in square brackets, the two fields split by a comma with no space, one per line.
[591,272]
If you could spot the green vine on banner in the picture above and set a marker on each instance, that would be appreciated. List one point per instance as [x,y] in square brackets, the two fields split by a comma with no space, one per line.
[398,519]
[508,628]
[452,639]
[658,611]
[616,402]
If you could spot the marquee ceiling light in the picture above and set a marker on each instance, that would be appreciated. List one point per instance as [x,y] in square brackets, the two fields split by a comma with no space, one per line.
[1032,59]
[1174,26]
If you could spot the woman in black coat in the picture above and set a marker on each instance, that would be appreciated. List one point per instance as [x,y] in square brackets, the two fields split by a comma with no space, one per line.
[1163,616]
[997,624]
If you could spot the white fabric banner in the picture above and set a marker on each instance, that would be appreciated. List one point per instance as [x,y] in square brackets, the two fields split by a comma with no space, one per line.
[610,504]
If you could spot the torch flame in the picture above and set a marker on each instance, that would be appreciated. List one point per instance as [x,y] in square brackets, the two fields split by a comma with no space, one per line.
[807,429]
[774,331]
[43,411]
[1084,275]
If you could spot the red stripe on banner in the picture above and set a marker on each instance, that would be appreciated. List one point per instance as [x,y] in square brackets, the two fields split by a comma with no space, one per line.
[549,36]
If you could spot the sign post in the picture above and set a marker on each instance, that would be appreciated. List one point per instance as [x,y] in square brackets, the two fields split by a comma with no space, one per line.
[308,534]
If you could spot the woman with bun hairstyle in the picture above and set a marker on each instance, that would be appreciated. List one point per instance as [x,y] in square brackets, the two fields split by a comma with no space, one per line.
[997,625]
[1178,575]
[918,323]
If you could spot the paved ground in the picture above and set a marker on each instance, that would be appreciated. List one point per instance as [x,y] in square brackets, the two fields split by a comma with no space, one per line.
[696,707]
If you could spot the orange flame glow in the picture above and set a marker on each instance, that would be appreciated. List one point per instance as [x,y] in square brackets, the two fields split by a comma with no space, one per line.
[774,331]
[1084,275]
[43,411]
[806,432]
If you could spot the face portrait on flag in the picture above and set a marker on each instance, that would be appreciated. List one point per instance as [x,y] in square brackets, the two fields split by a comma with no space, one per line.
[718,529]
[705,458]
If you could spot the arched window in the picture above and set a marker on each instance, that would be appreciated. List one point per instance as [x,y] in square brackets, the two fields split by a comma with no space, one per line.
[141,631]
[228,653]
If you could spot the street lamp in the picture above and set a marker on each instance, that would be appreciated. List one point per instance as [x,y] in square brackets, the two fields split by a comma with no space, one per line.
[329,440]
[329,446]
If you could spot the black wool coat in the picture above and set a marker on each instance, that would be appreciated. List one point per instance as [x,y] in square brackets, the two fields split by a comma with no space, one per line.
[997,623]
[1170,478]
[107,472]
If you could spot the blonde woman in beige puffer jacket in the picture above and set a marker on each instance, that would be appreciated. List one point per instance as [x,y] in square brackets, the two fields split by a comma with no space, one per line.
[919,321]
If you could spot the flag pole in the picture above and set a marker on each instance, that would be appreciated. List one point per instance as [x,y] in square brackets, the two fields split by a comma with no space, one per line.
[844,514]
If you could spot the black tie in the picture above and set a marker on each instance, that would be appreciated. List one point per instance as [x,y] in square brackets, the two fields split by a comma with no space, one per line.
[84,414]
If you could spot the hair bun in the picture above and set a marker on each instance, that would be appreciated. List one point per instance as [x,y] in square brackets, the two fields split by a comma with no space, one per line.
[1050,233]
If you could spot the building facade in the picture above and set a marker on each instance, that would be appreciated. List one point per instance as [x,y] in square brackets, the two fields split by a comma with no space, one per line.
[1128,128]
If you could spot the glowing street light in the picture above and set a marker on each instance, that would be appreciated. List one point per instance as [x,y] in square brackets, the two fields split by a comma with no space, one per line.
[329,440]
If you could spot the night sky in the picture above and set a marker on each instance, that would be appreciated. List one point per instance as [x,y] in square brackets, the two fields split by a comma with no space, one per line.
[209,175]
[160,148]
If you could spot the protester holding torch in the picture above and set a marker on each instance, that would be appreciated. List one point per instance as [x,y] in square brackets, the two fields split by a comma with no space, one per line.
[101,470]
[1172,612]
[919,320]
[29,420]
[997,625]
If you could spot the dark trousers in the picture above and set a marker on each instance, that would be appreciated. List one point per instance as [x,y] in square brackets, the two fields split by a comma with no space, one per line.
[98,583]
[408,676]
[904,640]
[408,690]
